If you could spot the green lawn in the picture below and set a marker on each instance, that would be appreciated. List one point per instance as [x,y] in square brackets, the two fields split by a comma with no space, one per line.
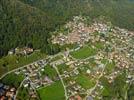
[99,45]
[110,67]
[116,89]
[49,71]
[84,52]
[23,94]
[107,91]
[53,92]
[85,81]
[63,67]
[13,79]
[11,62]
[92,62]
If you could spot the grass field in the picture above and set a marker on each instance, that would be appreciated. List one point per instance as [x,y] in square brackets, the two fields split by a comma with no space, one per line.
[99,45]
[84,52]
[53,92]
[49,71]
[85,81]
[63,67]
[116,89]
[13,79]
[110,67]
[23,94]
[11,62]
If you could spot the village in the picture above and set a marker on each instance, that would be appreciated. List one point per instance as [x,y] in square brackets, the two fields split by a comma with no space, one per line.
[115,40]
[102,53]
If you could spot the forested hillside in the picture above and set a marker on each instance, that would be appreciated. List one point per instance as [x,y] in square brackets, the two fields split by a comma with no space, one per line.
[29,22]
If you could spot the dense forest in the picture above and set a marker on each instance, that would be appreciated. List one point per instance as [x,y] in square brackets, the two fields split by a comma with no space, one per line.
[30,22]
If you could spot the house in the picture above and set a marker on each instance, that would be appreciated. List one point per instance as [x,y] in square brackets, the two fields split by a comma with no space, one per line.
[3,98]
[23,51]
[11,52]
[77,97]
[88,71]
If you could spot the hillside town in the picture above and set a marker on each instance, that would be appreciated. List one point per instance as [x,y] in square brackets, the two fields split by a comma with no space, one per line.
[103,54]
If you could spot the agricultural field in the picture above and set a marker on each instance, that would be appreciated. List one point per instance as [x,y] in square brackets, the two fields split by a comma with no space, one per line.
[52,92]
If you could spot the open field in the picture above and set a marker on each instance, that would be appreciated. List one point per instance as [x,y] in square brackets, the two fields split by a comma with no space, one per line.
[110,90]
[53,92]
[49,71]
[85,81]
[12,79]
[62,68]
[23,94]
[99,45]
[84,52]
[110,67]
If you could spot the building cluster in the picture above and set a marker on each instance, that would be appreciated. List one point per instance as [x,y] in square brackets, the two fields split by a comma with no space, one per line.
[7,92]
[33,72]
[101,27]
[96,93]
[113,39]
[80,32]
[120,61]
[30,89]
[112,76]
[21,51]
[34,78]
[75,90]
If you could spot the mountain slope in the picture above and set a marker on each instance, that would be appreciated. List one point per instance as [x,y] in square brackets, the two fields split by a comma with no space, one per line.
[24,22]
[21,24]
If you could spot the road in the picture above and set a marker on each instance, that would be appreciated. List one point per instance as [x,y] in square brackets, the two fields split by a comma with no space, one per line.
[18,69]
[61,81]
[50,57]
[92,89]
[19,88]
